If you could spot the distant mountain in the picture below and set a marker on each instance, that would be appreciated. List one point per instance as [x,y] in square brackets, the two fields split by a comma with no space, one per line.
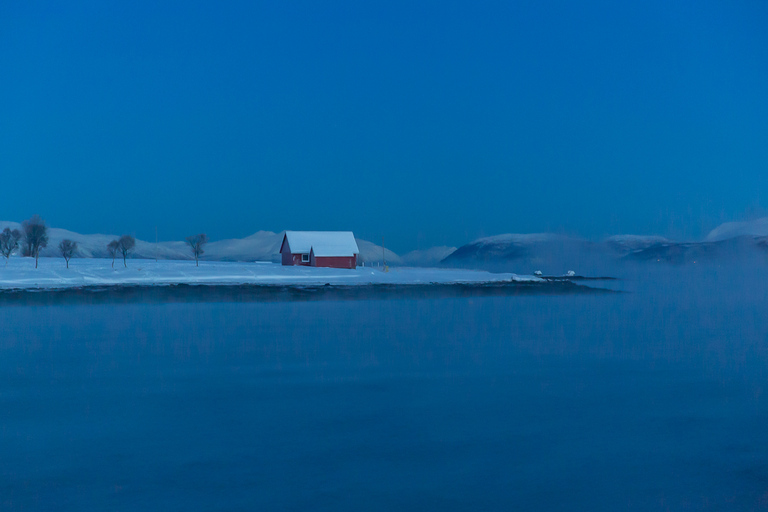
[750,228]
[503,247]
[260,246]
[727,241]
[95,246]
[699,252]
[555,254]
[427,257]
[551,253]
[371,253]
[630,243]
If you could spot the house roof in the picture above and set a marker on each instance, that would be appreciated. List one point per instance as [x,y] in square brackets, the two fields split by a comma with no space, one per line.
[322,243]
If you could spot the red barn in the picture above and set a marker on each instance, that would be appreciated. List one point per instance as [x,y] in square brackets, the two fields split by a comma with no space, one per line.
[335,249]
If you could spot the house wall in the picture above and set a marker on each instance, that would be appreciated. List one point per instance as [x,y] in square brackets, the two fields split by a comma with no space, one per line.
[291,259]
[297,261]
[334,261]
[294,259]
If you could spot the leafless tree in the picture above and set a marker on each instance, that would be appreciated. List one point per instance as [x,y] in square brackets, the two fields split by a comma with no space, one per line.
[35,236]
[113,248]
[68,248]
[196,244]
[126,245]
[9,242]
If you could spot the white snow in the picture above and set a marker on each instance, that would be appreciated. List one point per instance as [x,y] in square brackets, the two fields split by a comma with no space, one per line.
[52,273]
[756,227]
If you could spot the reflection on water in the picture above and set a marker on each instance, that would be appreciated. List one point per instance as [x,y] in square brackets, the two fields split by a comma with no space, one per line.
[651,399]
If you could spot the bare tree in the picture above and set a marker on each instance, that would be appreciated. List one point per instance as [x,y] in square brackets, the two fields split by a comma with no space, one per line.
[126,245]
[68,248]
[196,244]
[9,242]
[113,248]
[35,236]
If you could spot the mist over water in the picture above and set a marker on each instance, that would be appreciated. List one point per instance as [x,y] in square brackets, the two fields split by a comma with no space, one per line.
[655,398]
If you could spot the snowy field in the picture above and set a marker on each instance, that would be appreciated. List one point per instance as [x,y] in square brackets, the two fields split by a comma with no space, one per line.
[52,273]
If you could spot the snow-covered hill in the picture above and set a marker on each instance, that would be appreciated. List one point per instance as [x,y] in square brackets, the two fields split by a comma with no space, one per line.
[740,248]
[629,243]
[554,254]
[371,253]
[729,241]
[260,246]
[95,246]
[752,228]
[546,251]
[427,257]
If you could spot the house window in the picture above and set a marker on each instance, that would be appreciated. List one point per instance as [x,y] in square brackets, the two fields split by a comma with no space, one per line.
[304,258]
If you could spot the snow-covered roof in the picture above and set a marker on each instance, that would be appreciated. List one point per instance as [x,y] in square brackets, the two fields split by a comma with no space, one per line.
[322,243]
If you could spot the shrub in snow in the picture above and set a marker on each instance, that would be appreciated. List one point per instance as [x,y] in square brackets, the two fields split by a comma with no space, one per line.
[113,247]
[196,244]
[35,236]
[125,246]
[67,248]
[9,242]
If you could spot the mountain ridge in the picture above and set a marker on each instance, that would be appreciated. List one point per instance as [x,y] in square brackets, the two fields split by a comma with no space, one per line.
[532,249]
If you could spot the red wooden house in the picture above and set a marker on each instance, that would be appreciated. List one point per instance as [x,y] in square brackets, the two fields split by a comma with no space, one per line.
[335,249]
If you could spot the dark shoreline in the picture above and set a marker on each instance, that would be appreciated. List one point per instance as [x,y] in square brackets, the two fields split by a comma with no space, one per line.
[186,293]
[579,278]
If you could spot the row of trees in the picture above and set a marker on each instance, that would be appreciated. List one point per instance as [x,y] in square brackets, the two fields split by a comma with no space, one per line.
[34,237]
[123,246]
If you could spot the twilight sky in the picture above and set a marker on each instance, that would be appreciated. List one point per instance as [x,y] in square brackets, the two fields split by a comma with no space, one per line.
[427,123]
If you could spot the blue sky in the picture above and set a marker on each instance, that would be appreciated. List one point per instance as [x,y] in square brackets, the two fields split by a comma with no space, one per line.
[425,123]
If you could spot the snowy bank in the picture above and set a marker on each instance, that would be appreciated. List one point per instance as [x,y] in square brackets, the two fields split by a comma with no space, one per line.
[52,273]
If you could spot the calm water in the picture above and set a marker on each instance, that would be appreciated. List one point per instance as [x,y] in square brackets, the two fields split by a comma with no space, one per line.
[655,399]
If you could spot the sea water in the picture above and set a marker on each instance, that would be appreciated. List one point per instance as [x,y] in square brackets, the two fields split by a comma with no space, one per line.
[651,399]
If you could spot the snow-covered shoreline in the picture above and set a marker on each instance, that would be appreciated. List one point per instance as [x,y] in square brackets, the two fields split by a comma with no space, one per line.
[53,274]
